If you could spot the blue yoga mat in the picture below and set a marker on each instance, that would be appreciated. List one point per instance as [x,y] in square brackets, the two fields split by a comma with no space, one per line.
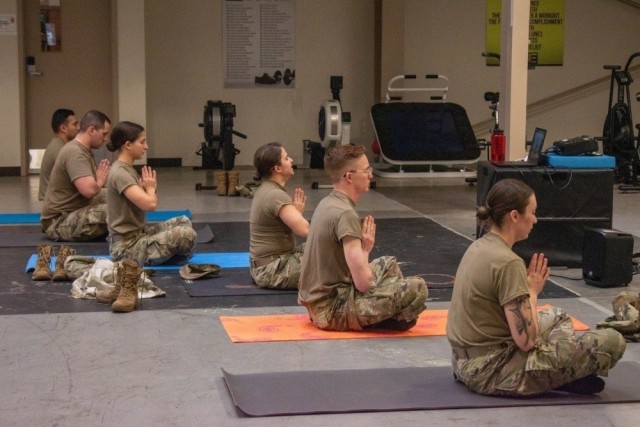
[223,259]
[34,217]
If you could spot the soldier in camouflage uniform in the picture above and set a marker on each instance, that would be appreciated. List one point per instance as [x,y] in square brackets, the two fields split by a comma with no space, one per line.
[172,240]
[500,344]
[74,208]
[275,221]
[341,289]
[130,196]
[625,317]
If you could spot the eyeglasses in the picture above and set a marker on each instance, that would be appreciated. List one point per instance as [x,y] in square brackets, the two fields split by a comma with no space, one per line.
[366,170]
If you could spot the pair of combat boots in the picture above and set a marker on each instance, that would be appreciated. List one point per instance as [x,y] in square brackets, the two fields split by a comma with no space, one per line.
[123,297]
[226,182]
[43,271]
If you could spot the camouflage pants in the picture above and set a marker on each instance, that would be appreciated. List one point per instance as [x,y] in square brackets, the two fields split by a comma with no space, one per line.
[560,356]
[88,223]
[391,296]
[76,265]
[281,273]
[625,316]
[173,240]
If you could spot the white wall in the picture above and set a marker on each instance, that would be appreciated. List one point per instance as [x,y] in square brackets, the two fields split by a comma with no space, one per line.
[130,56]
[79,76]
[448,37]
[392,44]
[184,70]
[130,76]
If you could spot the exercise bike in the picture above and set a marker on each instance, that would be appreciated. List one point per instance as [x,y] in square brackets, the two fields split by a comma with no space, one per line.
[618,137]
[218,150]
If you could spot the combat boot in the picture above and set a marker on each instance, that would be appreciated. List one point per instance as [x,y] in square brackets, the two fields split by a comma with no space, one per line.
[43,270]
[638,308]
[108,296]
[127,274]
[220,178]
[59,275]
[234,180]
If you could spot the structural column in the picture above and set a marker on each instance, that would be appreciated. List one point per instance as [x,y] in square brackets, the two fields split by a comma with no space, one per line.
[514,57]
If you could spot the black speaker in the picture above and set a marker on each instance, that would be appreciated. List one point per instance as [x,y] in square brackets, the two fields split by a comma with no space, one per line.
[607,258]
[563,215]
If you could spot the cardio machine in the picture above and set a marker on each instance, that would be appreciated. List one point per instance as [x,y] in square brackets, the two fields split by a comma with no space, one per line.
[618,135]
[431,139]
[218,150]
[334,126]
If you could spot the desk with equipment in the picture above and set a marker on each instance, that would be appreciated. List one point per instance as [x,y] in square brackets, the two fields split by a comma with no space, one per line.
[569,202]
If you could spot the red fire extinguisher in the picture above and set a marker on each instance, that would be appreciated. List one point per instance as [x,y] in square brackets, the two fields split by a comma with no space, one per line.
[498,138]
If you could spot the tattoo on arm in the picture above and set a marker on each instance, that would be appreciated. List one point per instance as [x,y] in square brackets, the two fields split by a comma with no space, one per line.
[523,322]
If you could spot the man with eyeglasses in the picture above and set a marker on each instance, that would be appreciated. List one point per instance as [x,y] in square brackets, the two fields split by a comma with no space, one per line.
[340,288]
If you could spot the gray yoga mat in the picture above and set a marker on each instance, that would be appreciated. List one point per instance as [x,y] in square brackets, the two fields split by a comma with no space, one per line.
[396,389]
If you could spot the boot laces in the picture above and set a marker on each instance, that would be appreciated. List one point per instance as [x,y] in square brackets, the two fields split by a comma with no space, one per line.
[130,275]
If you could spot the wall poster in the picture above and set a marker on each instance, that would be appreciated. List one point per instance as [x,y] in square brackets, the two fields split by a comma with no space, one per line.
[259,43]
[8,24]
[546,32]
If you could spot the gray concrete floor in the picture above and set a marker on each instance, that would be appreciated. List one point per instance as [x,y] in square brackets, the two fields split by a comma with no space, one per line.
[162,367]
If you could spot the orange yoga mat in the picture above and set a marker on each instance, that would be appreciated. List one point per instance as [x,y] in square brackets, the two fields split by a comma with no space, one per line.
[298,327]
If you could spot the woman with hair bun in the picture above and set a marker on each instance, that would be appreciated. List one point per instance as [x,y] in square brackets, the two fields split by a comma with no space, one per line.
[275,221]
[501,344]
[130,196]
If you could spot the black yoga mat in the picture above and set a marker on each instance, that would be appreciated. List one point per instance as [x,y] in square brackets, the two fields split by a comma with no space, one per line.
[421,246]
[238,282]
[426,249]
[21,236]
[34,217]
[24,236]
[396,389]
[231,281]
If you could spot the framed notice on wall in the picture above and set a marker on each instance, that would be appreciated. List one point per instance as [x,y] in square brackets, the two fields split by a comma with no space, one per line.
[8,24]
[546,32]
[259,43]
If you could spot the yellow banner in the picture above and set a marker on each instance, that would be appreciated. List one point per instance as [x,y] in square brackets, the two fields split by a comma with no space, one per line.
[546,32]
